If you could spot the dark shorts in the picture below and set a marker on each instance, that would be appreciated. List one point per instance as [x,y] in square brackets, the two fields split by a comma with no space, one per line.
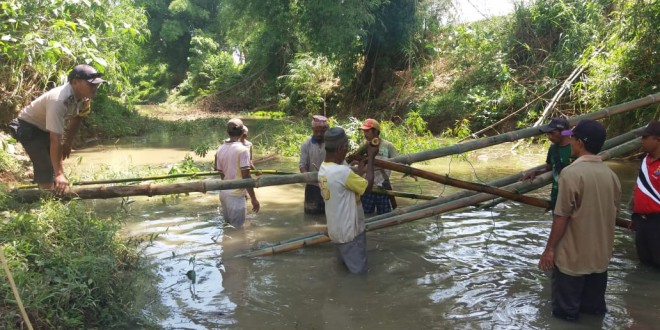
[376,202]
[572,295]
[354,254]
[647,238]
[37,145]
[314,203]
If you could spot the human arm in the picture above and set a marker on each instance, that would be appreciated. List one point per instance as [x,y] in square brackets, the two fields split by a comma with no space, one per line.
[303,163]
[532,174]
[72,130]
[60,183]
[559,226]
[372,151]
[245,174]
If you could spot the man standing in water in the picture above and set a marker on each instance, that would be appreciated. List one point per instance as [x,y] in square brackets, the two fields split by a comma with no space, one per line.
[40,126]
[559,155]
[646,199]
[232,160]
[377,202]
[341,189]
[581,240]
[312,154]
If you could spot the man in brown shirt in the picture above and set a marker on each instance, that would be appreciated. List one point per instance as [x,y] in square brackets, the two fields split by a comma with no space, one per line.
[582,235]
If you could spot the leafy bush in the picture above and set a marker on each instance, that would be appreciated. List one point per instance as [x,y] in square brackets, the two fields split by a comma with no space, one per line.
[309,84]
[72,269]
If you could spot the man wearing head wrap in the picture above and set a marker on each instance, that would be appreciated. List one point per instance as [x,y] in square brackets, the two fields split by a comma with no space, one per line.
[232,160]
[312,154]
[40,126]
[581,238]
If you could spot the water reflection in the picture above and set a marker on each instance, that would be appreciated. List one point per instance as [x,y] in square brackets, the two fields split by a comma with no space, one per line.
[471,269]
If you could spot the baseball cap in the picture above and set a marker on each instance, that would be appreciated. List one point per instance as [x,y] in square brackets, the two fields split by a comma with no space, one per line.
[370,123]
[555,124]
[652,129]
[591,132]
[335,137]
[85,72]
[235,127]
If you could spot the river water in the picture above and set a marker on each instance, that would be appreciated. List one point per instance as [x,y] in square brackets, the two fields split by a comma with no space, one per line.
[470,269]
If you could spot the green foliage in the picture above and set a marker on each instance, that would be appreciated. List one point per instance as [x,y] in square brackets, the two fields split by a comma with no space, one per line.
[210,69]
[309,83]
[72,269]
[186,166]
[42,40]
[111,118]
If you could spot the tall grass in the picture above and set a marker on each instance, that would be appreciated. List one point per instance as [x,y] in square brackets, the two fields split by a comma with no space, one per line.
[71,268]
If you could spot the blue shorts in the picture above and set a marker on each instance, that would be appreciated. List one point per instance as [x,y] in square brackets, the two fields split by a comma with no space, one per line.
[371,201]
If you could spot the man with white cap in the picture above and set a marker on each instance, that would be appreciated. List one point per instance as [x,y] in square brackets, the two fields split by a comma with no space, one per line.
[40,126]
[312,154]
[581,239]
[232,160]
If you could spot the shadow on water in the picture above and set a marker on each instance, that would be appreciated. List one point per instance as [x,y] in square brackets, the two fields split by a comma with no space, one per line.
[471,269]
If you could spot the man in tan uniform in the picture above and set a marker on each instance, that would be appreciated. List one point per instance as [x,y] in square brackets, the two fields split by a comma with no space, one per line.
[581,240]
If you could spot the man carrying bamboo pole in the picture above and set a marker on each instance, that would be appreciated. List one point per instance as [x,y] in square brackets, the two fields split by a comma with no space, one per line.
[581,240]
[232,160]
[646,199]
[47,126]
[378,202]
[341,189]
[312,154]
[559,155]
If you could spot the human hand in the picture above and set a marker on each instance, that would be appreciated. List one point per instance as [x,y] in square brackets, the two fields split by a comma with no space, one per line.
[547,261]
[528,176]
[255,206]
[60,184]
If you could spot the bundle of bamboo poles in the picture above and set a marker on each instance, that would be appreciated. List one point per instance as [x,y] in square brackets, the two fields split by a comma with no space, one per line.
[446,204]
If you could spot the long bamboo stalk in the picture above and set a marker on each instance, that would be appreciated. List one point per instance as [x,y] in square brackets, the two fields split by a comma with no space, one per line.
[103,192]
[160,177]
[520,134]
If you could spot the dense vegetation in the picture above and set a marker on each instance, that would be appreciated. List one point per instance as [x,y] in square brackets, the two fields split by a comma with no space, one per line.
[403,61]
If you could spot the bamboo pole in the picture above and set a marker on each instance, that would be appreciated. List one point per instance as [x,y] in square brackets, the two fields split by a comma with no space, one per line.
[520,134]
[161,177]
[103,192]
[441,205]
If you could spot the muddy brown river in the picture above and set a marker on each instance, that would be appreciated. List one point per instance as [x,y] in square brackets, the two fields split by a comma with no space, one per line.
[470,269]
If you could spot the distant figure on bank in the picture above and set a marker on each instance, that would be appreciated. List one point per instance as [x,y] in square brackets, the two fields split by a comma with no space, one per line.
[341,189]
[232,160]
[312,154]
[646,199]
[581,240]
[40,126]
[371,201]
[559,155]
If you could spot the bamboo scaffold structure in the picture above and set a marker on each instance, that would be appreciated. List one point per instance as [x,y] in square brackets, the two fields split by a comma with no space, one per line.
[443,205]
[209,185]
